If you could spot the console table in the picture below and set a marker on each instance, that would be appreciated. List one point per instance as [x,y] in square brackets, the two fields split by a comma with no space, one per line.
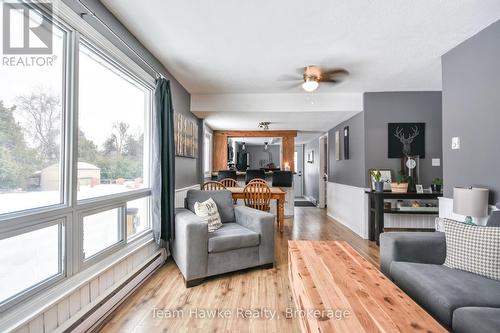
[376,208]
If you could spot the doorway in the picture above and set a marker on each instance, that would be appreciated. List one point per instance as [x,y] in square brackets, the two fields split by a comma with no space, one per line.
[299,168]
[323,170]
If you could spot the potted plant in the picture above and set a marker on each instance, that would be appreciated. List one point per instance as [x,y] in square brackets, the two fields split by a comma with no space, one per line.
[437,185]
[401,184]
[379,185]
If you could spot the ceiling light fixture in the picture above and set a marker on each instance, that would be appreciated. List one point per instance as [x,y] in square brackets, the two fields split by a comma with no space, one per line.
[310,83]
[264,125]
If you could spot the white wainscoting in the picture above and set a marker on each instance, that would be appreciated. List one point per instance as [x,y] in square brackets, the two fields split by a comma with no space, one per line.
[409,221]
[349,206]
[180,194]
[446,211]
[81,297]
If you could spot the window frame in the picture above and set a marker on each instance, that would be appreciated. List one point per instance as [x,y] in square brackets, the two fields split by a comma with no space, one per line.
[209,136]
[70,212]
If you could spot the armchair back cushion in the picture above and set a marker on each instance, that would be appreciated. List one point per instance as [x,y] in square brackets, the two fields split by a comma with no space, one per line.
[223,199]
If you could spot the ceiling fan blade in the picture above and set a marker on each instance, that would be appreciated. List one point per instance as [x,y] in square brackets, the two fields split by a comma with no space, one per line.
[335,71]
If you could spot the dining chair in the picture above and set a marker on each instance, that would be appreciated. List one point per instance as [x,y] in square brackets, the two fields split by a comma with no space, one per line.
[257,195]
[213,186]
[258,180]
[229,182]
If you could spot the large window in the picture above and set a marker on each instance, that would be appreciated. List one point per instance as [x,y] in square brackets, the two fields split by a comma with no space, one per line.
[112,119]
[74,155]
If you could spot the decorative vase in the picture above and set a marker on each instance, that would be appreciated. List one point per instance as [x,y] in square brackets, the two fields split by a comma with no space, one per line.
[436,188]
[379,186]
[399,187]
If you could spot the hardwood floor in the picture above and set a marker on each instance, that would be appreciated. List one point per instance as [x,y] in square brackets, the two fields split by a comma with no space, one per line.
[263,291]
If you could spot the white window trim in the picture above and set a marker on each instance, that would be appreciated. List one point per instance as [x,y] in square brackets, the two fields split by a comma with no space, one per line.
[70,210]
[207,134]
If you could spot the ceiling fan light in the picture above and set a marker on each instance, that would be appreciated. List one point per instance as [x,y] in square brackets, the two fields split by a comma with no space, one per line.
[310,85]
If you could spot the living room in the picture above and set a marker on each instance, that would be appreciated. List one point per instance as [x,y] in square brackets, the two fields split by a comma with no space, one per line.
[262,166]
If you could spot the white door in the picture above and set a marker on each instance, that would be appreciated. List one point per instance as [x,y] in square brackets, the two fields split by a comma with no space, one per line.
[299,166]
[323,170]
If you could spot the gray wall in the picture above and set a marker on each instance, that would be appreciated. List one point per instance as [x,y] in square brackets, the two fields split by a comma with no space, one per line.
[351,171]
[471,102]
[188,171]
[311,170]
[381,108]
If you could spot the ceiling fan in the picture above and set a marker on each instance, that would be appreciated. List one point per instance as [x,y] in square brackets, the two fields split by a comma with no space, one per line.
[313,75]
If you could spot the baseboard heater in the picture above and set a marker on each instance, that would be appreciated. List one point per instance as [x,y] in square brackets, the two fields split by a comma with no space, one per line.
[95,317]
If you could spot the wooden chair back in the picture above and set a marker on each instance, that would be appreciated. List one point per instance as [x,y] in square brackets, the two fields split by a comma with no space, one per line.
[213,186]
[229,182]
[258,180]
[257,195]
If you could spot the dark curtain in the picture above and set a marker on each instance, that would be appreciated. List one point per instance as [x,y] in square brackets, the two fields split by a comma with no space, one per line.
[163,160]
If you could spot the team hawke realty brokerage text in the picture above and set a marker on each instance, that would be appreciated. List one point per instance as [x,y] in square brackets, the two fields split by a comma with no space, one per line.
[250,313]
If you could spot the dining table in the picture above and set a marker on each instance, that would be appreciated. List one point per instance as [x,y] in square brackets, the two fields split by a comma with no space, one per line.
[276,194]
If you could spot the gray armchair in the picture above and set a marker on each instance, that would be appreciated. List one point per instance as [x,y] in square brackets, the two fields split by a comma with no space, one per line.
[245,240]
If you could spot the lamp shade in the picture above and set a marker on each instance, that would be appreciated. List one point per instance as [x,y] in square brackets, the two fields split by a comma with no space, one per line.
[470,201]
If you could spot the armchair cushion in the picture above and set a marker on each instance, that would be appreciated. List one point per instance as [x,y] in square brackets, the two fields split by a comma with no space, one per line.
[231,236]
[222,198]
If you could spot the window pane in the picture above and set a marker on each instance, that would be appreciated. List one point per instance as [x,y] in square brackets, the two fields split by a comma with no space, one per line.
[112,112]
[28,259]
[207,152]
[31,112]
[100,231]
[137,216]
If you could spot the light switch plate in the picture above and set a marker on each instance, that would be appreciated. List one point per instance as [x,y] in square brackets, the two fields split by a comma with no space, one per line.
[436,162]
[455,142]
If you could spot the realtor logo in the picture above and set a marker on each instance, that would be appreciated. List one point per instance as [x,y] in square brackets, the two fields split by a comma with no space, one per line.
[26,30]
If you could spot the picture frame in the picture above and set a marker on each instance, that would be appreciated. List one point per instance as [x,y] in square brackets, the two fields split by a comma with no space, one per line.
[419,188]
[310,156]
[386,178]
[337,145]
[185,136]
[346,143]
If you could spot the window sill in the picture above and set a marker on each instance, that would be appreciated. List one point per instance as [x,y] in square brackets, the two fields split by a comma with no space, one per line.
[28,310]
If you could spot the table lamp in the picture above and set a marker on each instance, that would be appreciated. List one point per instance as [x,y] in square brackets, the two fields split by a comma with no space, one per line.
[471,202]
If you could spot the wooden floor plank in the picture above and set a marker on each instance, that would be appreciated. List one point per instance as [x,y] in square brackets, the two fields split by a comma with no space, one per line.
[254,289]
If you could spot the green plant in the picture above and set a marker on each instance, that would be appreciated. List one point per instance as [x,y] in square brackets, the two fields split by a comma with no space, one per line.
[376,175]
[401,178]
[437,181]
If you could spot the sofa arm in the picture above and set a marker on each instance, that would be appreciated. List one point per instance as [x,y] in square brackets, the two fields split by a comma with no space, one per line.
[190,246]
[418,247]
[261,223]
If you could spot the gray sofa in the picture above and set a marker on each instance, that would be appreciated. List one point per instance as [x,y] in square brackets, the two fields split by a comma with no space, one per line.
[245,240]
[461,301]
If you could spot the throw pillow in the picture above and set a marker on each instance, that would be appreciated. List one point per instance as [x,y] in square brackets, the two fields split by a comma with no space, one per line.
[207,210]
[473,248]
[439,223]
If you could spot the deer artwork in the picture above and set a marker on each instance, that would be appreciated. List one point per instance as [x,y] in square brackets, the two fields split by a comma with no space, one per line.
[406,141]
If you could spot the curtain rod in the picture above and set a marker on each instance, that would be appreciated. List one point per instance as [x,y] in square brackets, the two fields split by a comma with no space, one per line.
[91,13]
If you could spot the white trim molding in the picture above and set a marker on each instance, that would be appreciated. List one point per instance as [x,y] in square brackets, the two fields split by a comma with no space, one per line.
[348,205]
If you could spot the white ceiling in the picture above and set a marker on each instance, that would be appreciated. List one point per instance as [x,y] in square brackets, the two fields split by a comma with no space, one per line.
[242,47]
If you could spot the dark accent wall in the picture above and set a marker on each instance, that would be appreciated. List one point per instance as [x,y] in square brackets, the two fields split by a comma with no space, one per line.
[311,170]
[351,171]
[471,111]
[381,108]
[188,171]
